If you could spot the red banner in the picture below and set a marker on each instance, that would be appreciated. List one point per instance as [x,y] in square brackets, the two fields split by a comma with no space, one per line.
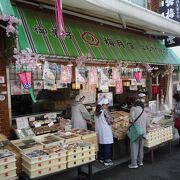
[119,87]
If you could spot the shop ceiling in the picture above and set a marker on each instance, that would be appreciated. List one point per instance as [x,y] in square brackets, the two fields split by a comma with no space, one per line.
[119,13]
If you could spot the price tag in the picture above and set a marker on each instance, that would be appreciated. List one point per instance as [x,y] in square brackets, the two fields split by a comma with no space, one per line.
[37,124]
[51,124]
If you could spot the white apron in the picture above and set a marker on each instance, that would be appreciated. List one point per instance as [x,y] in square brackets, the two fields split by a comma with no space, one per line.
[103,129]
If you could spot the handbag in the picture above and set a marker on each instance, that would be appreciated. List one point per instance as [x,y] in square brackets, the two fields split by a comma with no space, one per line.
[177,123]
[135,131]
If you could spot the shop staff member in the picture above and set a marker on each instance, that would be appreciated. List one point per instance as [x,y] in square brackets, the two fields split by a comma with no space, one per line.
[79,113]
[104,132]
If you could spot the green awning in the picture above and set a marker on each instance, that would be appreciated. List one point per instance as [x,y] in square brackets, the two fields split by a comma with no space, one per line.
[103,43]
[6,8]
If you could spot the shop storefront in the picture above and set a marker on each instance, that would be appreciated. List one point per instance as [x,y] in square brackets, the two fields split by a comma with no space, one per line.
[94,60]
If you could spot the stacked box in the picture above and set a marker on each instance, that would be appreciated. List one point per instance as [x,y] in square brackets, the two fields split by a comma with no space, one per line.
[80,153]
[7,165]
[87,136]
[49,140]
[158,136]
[41,162]
[68,137]
[25,145]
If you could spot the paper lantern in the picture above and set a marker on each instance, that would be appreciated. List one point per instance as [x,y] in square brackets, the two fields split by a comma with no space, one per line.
[76,86]
[155,89]
[138,76]
[26,80]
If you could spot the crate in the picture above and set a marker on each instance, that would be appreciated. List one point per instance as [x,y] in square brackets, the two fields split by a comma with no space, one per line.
[44,164]
[58,155]
[44,171]
[11,174]
[6,156]
[88,159]
[48,140]
[68,137]
[7,166]
[27,145]
[74,163]
[74,157]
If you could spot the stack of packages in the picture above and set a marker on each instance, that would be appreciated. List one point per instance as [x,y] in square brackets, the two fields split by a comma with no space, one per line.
[7,165]
[79,153]
[49,153]
[41,162]
[157,135]
[120,124]
[87,136]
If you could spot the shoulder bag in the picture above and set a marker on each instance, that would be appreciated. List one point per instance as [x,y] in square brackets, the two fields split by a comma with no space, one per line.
[135,131]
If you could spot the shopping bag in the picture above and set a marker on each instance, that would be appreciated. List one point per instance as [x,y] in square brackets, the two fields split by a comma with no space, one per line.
[135,132]
[177,123]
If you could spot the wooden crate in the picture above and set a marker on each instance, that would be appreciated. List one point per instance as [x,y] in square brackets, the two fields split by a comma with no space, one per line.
[48,140]
[44,171]
[23,146]
[7,166]
[11,174]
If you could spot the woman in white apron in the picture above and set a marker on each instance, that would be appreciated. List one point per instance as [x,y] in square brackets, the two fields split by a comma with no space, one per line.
[104,132]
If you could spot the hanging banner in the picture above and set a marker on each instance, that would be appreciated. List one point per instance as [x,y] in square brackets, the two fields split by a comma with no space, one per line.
[115,73]
[66,74]
[119,87]
[81,75]
[103,82]
[92,76]
[171,9]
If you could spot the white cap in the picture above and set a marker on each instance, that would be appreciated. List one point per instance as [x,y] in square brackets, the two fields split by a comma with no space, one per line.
[103,101]
[77,98]
[141,95]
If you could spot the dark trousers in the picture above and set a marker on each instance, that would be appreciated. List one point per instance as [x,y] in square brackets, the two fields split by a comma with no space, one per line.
[104,151]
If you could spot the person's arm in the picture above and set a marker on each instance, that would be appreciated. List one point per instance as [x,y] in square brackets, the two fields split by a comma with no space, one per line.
[84,112]
[132,115]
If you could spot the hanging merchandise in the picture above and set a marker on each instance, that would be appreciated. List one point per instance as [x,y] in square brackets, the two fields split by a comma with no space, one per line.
[138,76]
[155,89]
[81,75]
[103,82]
[119,87]
[92,76]
[60,85]
[38,84]
[66,74]
[48,77]
[26,81]
[60,30]
[115,73]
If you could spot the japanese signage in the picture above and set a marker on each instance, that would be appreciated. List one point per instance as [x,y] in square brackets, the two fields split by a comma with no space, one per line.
[171,9]
[119,87]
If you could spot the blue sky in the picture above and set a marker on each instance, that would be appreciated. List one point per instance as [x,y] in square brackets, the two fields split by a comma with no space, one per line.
[177,50]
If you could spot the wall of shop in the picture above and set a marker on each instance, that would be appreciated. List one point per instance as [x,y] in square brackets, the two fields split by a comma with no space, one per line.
[4,111]
[153,5]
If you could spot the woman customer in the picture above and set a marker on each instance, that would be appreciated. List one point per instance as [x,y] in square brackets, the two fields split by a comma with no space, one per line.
[136,148]
[105,137]
[176,112]
[79,113]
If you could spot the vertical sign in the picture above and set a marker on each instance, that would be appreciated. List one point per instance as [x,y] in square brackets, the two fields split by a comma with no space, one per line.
[119,87]
[171,9]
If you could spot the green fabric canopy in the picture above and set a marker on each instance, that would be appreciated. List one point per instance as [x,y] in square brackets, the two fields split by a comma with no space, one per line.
[103,43]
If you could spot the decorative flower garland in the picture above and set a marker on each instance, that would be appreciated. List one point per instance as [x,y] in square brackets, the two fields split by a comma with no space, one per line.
[26,58]
[13,22]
